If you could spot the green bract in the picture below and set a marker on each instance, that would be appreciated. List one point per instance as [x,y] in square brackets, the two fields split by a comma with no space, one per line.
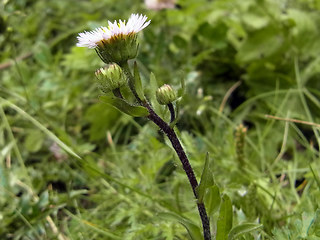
[118,49]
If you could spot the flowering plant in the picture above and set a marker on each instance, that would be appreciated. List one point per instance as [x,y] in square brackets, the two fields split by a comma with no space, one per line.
[117,44]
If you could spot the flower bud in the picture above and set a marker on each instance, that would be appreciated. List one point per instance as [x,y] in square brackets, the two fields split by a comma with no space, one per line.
[240,134]
[110,78]
[166,95]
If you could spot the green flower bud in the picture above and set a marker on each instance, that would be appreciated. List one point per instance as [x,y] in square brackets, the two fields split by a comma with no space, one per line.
[110,78]
[166,95]
[240,134]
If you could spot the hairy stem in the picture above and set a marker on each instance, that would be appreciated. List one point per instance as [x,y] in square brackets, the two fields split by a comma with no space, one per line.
[185,164]
[172,113]
[176,145]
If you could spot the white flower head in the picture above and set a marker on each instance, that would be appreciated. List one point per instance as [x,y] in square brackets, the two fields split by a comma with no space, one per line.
[101,35]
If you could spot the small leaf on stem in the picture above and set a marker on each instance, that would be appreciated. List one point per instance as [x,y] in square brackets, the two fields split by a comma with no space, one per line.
[123,106]
[206,180]
[212,199]
[153,87]
[138,83]
[224,223]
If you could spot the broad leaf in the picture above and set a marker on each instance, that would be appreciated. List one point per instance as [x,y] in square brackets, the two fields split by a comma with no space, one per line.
[224,223]
[34,141]
[100,123]
[261,43]
[122,105]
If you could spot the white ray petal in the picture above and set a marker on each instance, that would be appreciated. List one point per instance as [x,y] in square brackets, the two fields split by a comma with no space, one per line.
[134,24]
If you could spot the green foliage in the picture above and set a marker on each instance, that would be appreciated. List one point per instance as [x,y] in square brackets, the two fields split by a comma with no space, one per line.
[193,230]
[212,199]
[71,163]
[224,223]
[138,83]
[108,117]
[308,228]
[206,180]
[242,229]
[123,106]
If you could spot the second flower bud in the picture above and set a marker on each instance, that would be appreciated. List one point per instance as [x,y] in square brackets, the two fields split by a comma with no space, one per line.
[166,95]
[110,78]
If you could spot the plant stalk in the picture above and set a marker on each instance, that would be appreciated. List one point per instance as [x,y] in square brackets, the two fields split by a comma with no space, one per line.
[172,113]
[185,164]
[177,147]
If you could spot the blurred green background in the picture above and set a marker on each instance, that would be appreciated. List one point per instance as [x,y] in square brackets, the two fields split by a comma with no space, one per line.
[72,167]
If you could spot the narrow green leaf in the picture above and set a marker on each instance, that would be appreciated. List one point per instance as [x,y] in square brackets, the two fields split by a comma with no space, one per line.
[75,193]
[123,106]
[138,83]
[212,199]
[314,228]
[206,180]
[152,88]
[193,229]
[242,229]
[41,127]
[153,81]
[106,232]
[315,175]
[224,223]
